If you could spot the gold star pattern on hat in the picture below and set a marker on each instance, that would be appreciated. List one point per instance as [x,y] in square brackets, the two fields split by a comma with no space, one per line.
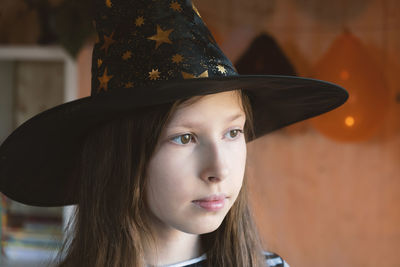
[175,6]
[154,74]
[99,62]
[177,58]
[161,36]
[127,55]
[139,21]
[221,69]
[108,3]
[108,40]
[129,85]
[186,75]
[104,80]
[195,10]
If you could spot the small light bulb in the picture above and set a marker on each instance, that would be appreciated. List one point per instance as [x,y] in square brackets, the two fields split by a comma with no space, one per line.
[349,121]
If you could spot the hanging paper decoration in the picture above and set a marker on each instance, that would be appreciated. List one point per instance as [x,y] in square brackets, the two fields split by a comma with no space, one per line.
[264,56]
[348,64]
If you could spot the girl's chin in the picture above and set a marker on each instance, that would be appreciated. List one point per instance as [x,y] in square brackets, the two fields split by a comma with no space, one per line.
[200,231]
[199,228]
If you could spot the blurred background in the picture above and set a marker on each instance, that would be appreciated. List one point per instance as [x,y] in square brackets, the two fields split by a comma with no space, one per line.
[325,192]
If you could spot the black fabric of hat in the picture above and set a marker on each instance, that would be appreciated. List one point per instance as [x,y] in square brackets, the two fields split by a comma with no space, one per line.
[148,52]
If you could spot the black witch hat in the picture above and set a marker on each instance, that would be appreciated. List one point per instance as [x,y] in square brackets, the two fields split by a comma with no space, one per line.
[148,52]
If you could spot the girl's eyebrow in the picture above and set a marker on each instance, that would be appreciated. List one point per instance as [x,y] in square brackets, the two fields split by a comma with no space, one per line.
[235,117]
[191,124]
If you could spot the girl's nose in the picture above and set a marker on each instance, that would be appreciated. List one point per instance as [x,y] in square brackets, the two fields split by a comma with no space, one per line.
[214,163]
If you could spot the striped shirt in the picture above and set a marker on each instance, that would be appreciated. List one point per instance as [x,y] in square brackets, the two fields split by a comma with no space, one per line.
[271,260]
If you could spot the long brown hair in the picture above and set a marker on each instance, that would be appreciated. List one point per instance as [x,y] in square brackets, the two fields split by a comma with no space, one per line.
[110,222]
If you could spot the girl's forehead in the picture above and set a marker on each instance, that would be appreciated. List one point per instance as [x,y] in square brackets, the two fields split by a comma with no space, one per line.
[217,97]
[225,105]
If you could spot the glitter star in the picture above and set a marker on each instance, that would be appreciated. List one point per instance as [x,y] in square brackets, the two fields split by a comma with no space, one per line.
[154,74]
[99,62]
[177,58]
[108,40]
[195,10]
[161,36]
[221,69]
[139,21]
[176,6]
[104,80]
[108,3]
[192,76]
[127,55]
[129,85]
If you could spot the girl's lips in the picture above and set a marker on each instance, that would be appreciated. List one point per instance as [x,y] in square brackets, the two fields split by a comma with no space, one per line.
[211,203]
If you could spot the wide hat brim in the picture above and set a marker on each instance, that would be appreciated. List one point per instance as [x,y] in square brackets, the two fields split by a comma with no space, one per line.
[37,159]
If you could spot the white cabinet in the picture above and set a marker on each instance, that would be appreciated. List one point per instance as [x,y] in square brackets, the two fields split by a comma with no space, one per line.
[33,79]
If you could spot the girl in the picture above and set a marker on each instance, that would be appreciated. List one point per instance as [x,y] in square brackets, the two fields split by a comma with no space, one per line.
[155,158]
[179,193]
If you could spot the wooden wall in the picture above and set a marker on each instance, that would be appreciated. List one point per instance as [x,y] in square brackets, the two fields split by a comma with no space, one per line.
[319,202]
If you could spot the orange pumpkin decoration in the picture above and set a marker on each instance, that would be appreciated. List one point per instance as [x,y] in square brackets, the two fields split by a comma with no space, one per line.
[348,64]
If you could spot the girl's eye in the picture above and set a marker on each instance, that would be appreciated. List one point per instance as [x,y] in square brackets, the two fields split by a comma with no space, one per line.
[234,133]
[182,139]
[185,139]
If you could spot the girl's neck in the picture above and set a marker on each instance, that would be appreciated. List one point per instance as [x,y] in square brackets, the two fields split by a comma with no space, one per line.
[172,246]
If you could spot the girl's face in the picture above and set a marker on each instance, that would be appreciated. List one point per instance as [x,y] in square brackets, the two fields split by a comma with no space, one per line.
[197,169]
